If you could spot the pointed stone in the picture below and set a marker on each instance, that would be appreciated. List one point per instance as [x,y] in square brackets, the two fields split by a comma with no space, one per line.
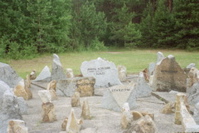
[168,108]
[48,114]
[17,126]
[45,96]
[51,87]
[45,74]
[122,73]
[64,123]
[126,117]
[73,125]
[160,57]
[136,115]
[69,73]
[85,110]
[75,100]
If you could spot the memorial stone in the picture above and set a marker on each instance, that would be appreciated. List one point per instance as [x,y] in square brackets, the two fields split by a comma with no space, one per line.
[57,69]
[17,126]
[45,75]
[142,87]
[8,75]
[114,97]
[168,75]
[104,72]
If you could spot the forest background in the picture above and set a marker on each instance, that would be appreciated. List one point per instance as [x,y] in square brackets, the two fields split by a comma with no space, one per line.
[31,27]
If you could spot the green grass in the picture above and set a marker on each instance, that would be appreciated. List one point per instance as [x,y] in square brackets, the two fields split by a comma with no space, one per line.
[135,60]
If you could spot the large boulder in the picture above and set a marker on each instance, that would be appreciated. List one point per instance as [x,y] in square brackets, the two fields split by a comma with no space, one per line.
[168,75]
[104,72]
[8,75]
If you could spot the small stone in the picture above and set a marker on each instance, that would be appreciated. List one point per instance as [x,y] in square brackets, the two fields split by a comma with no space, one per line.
[85,110]
[136,115]
[51,87]
[122,73]
[126,117]
[64,123]
[168,108]
[48,112]
[45,96]
[17,126]
[75,100]
[73,124]
[33,75]
[69,73]
[160,57]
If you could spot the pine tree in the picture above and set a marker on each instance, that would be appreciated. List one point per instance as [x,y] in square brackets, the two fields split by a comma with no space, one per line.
[187,23]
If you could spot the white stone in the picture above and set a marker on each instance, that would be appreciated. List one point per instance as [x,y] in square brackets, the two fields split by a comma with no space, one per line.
[45,96]
[105,72]
[160,57]
[69,73]
[45,74]
[114,97]
[122,73]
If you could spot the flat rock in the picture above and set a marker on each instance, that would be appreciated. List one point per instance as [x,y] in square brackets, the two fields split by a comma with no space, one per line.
[104,72]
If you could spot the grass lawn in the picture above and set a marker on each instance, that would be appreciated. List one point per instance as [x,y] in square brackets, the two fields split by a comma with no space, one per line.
[135,60]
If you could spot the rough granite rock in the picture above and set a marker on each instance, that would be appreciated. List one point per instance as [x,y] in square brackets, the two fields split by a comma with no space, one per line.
[104,72]
[122,73]
[45,75]
[8,75]
[168,75]
[75,100]
[17,126]
[57,69]
[85,110]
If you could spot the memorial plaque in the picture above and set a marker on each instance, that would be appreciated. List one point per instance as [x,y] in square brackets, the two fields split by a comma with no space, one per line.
[115,97]
[105,72]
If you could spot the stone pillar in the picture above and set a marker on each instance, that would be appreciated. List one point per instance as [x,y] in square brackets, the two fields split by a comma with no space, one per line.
[121,73]
[69,73]
[75,99]
[51,87]
[178,117]
[126,116]
[64,123]
[85,110]
[17,126]
[48,114]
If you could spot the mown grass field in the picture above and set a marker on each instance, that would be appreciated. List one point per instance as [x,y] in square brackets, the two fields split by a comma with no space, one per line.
[135,60]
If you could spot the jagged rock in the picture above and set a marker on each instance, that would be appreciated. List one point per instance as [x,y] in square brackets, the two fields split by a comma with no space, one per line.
[85,110]
[142,87]
[136,115]
[69,73]
[45,75]
[17,126]
[33,75]
[168,75]
[73,124]
[8,75]
[192,77]
[104,72]
[160,57]
[75,100]
[22,90]
[27,81]
[126,116]
[57,69]
[143,125]
[64,123]
[122,73]
[51,87]
[193,93]
[168,108]
[48,114]
[45,96]
[146,74]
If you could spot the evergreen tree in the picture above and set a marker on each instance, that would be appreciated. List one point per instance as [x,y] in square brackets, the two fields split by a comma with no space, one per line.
[187,23]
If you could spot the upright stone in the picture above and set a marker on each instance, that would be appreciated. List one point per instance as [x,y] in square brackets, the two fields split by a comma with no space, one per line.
[168,75]
[75,99]
[126,117]
[48,114]
[8,75]
[160,57]
[51,87]
[45,96]
[114,97]
[17,126]
[73,124]
[57,69]
[45,75]
[105,72]
[122,73]
[69,73]
[142,87]
[192,77]
[85,110]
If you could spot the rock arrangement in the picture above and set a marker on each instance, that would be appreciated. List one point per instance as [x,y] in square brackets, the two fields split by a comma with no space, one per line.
[119,94]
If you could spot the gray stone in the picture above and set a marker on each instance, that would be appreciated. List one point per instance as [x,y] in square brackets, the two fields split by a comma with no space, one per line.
[22,105]
[142,87]
[45,75]
[114,97]
[193,94]
[105,72]
[191,65]
[9,110]
[196,113]
[8,75]
[3,88]
[151,68]
[168,75]
[57,69]
[122,73]
[160,57]
[84,85]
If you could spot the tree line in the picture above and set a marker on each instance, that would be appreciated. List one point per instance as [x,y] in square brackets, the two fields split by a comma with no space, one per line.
[31,27]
